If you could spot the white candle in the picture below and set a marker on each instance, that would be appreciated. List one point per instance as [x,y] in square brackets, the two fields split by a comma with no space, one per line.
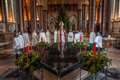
[55,36]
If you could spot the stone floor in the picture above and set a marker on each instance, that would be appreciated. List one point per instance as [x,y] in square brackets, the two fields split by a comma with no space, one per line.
[7,63]
[114,54]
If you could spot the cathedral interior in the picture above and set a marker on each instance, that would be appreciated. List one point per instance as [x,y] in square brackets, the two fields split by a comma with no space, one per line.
[77,15]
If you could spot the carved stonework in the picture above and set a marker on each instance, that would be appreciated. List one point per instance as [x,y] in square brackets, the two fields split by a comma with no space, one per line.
[52,20]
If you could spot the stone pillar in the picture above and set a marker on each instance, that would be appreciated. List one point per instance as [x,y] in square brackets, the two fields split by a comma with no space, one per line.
[83,17]
[45,14]
[116,13]
[106,17]
[92,14]
[45,19]
[80,16]
[5,16]
[19,15]
[40,15]
[33,15]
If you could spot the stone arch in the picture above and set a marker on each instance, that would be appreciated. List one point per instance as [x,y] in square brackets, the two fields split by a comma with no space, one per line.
[52,20]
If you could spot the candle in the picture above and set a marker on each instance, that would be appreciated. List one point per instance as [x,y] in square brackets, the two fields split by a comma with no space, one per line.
[94,49]
[55,36]
[48,36]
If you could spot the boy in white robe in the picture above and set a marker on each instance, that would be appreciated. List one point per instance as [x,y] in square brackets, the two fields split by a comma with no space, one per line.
[21,41]
[98,41]
[70,36]
[91,39]
[16,45]
[42,37]
[77,37]
[34,38]
[26,38]
[48,36]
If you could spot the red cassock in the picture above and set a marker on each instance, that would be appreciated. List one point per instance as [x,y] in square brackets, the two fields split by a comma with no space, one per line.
[28,49]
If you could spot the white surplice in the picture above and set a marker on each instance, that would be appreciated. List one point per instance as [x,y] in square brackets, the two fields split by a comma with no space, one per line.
[21,42]
[92,37]
[42,37]
[77,37]
[98,41]
[34,38]
[70,37]
[48,37]
[26,39]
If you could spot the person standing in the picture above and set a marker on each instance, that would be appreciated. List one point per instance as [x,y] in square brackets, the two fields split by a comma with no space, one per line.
[48,36]
[34,38]
[21,42]
[42,36]
[77,37]
[81,36]
[91,39]
[70,37]
[98,41]
[26,38]
[16,45]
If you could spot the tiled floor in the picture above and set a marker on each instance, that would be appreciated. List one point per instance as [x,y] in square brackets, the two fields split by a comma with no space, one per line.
[8,62]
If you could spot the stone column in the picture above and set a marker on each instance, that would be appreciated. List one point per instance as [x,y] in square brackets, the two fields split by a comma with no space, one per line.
[19,16]
[116,13]
[45,14]
[92,14]
[45,19]
[80,16]
[106,17]
[4,16]
[83,16]
[40,15]
[33,15]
